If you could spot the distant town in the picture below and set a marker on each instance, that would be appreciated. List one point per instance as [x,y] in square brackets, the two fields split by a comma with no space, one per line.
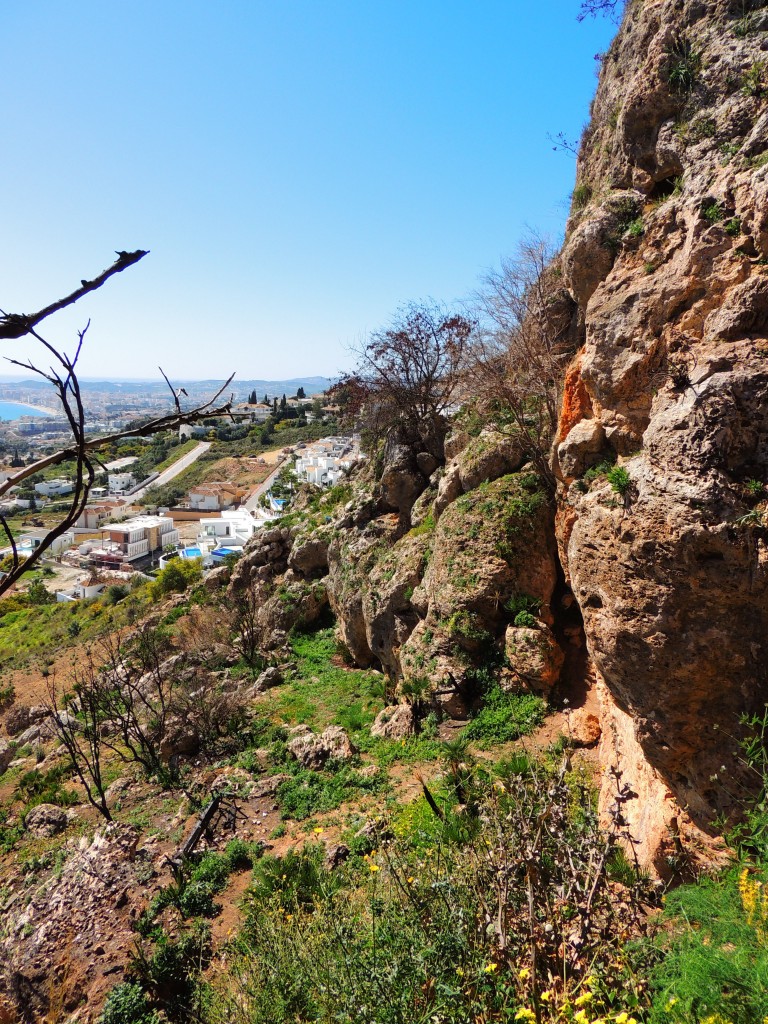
[197,494]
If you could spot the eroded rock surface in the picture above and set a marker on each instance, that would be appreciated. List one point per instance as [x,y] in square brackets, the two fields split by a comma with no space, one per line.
[665,256]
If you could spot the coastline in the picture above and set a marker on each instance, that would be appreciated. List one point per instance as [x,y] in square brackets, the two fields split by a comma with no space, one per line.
[25,405]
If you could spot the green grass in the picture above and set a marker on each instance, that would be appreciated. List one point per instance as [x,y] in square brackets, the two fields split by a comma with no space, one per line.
[42,630]
[313,792]
[714,954]
[321,693]
[505,717]
[176,453]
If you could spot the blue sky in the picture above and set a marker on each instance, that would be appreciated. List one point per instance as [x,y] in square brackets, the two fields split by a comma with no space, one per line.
[297,169]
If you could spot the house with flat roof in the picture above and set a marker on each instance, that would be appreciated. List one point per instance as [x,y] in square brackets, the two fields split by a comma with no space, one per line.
[135,538]
[324,462]
[234,528]
[54,488]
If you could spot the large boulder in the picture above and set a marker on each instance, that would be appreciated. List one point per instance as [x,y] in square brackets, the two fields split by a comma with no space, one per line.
[46,820]
[7,754]
[309,556]
[534,656]
[17,719]
[313,751]
[395,722]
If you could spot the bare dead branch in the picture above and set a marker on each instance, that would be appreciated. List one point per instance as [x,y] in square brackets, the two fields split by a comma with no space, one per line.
[516,369]
[16,325]
[65,383]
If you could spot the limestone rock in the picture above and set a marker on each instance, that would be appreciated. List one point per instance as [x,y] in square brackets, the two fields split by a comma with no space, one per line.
[270,677]
[46,820]
[448,489]
[217,578]
[487,457]
[581,448]
[7,754]
[534,656]
[673,582]
[584,728]
[180,737]
[395,722]
[335,855]
[310,556]
[312,750]
[17,719]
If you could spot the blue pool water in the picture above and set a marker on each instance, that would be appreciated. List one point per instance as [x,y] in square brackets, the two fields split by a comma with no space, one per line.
[191,553]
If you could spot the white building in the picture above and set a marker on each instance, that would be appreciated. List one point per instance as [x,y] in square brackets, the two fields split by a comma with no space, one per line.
[55,488]
[234,528]
[119,483]
[324,462]
[135,538]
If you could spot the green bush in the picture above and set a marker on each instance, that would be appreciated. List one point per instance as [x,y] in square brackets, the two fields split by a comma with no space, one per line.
[683,65]
[128,1004]
[176,576]
[714,955]
[581,196]
[619,479]
[506,716]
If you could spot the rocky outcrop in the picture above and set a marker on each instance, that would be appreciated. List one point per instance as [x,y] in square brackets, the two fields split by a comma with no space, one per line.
[665,255]
[76,926]
[265,556]
[396,722]
[535,658]
[46,820]
[313,751]
[492,546]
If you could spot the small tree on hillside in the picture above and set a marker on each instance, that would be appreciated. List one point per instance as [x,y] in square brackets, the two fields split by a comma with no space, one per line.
[406,377]
[81,736]
[517,366]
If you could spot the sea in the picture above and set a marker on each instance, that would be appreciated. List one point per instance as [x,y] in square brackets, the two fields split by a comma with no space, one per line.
[14,410]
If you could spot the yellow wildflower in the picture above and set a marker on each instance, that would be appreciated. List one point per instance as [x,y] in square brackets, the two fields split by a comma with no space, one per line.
[410,880]
[525,974]
[374,867]
[525,1014]
[460,971]
[546,997]
[584,998]
[580,1017]
[490,968]
[317,831]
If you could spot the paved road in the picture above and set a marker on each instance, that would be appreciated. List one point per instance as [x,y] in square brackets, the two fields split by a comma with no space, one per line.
[253,501]
[172,471]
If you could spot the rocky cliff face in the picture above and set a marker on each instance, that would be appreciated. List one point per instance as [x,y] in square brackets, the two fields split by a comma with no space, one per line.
[666,254]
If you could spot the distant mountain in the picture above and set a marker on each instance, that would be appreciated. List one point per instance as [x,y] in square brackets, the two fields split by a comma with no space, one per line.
[240,388]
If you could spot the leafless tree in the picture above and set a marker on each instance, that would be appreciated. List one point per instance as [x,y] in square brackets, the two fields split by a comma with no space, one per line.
[246,627]
[81,737]
[521,348]
[135,690]
[407,373]
[62,377]
[593,8]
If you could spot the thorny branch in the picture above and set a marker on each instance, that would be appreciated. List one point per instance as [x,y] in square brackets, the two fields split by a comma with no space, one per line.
[63,379]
